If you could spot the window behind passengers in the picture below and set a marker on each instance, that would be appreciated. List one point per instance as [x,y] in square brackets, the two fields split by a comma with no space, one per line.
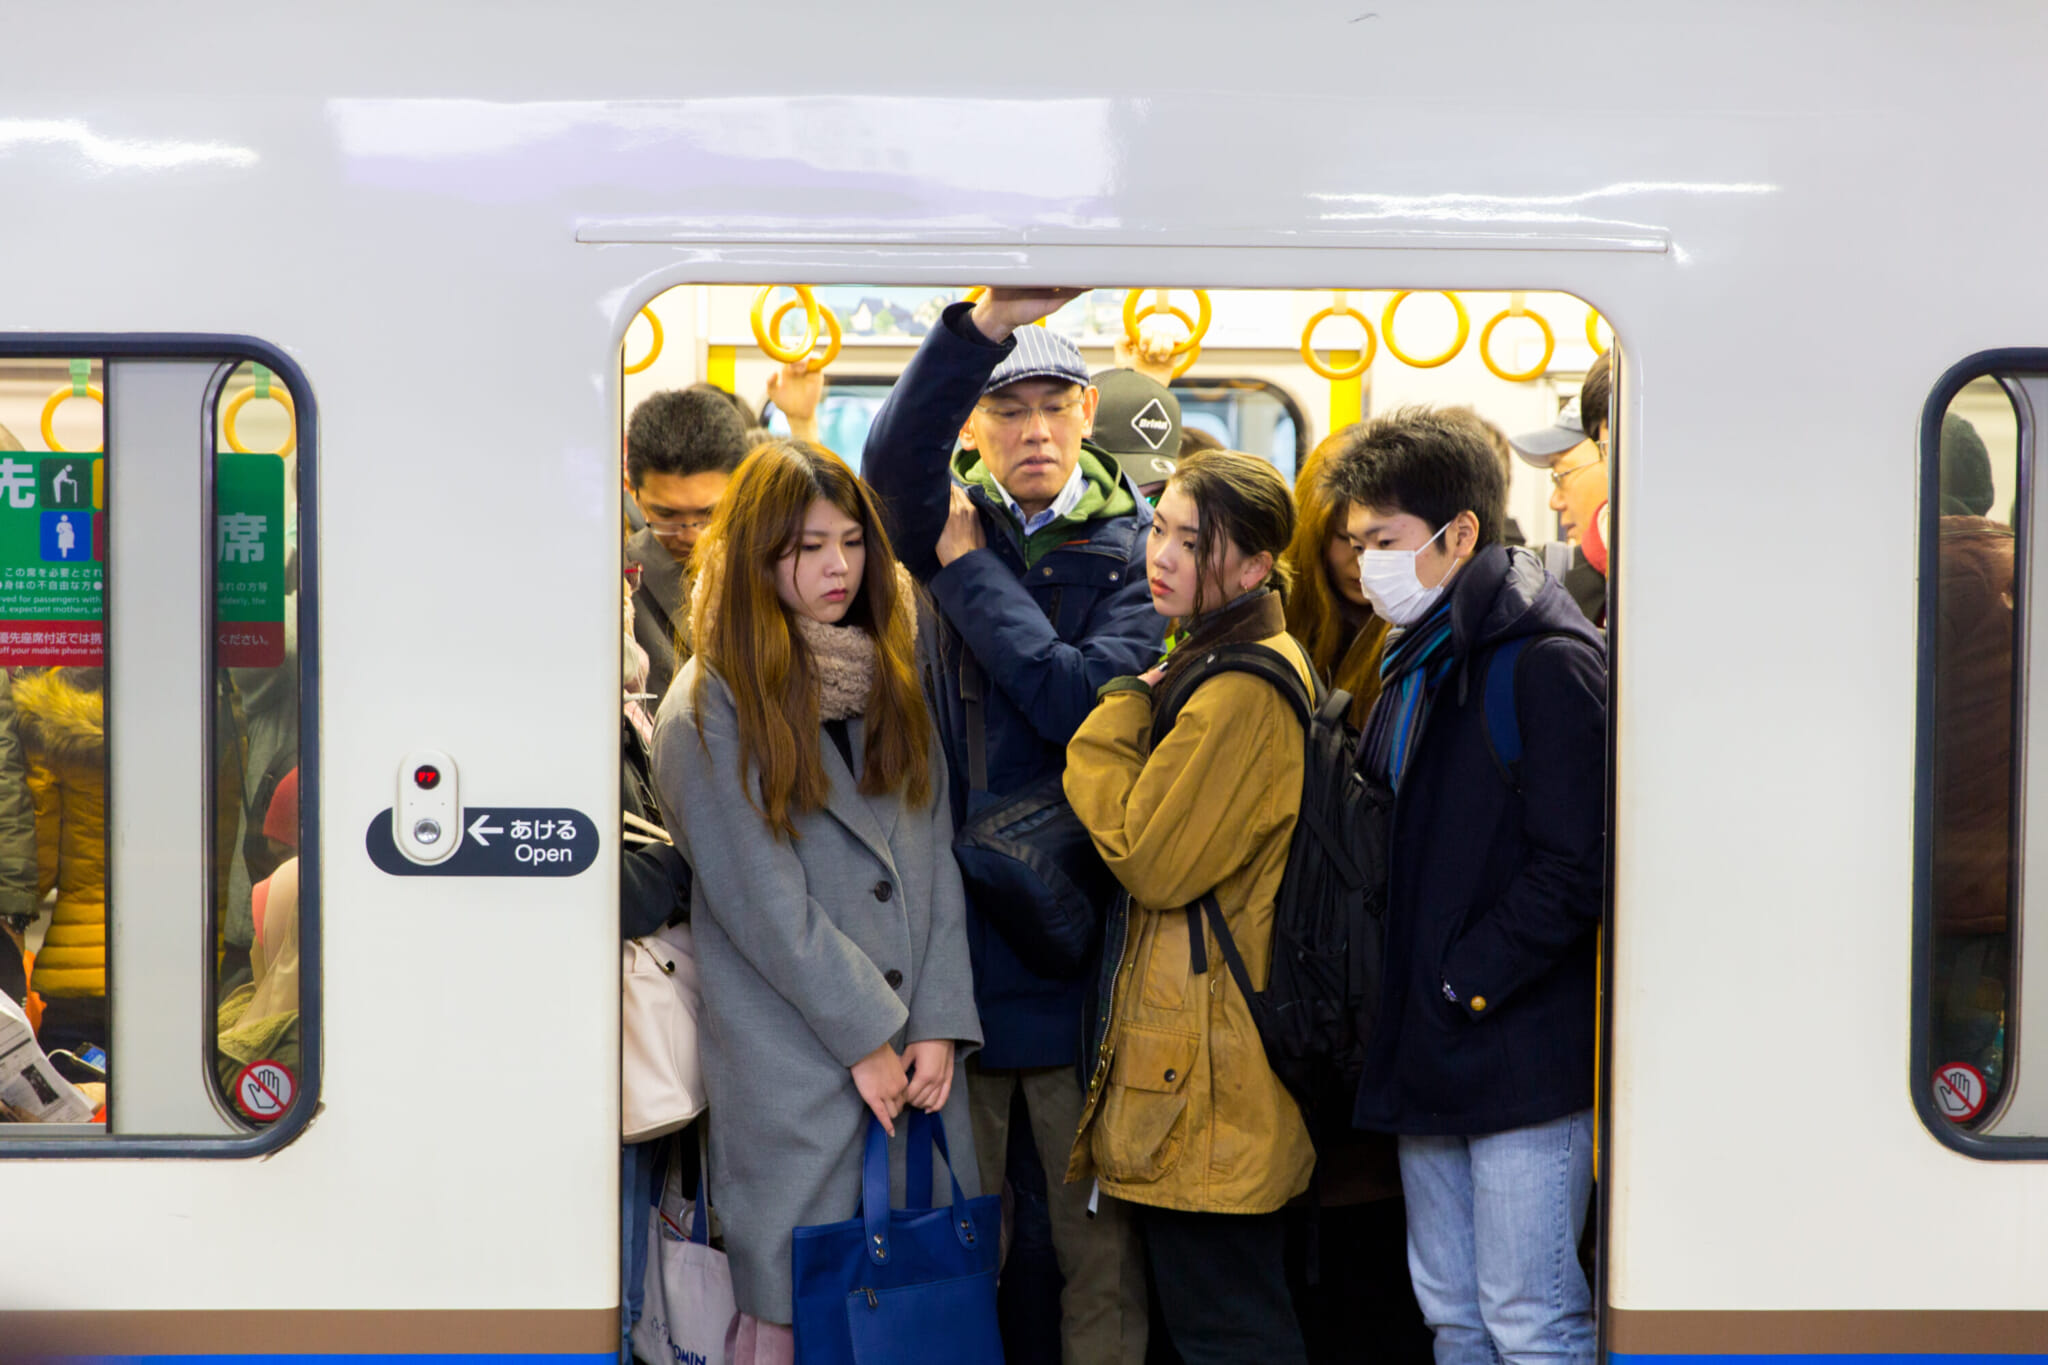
[1251,415]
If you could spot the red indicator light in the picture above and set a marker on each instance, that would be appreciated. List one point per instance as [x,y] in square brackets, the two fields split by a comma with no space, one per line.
[426,777]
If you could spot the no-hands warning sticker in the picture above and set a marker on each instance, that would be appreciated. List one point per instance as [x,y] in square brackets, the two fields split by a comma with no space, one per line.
[1960,1092]
[264,1090]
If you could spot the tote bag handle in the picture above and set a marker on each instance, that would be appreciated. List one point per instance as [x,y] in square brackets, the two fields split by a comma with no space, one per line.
[926,1132]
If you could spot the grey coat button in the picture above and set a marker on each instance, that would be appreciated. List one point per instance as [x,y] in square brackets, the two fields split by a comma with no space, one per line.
[894,978]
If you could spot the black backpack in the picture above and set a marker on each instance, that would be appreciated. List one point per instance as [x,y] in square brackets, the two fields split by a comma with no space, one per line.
[1322,994]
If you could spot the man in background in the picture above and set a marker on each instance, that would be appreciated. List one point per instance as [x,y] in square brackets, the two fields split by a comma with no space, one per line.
[1137,419]
[682,446]
[1574,452]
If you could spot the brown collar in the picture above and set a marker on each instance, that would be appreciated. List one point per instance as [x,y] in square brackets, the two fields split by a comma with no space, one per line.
[1258,615]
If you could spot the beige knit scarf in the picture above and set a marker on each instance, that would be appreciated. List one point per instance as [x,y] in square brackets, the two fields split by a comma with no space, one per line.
[844,655]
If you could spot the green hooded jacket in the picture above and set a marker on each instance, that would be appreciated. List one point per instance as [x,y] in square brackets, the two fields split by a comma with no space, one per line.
[1104,496]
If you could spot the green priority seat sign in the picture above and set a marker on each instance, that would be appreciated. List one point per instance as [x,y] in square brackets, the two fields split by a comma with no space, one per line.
[53,527]
[248,560]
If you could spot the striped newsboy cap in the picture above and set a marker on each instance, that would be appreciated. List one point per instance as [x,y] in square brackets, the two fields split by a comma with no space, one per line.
[1040,353]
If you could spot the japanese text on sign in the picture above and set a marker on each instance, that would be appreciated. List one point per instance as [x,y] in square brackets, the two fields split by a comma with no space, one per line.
[52,553]
[248,555]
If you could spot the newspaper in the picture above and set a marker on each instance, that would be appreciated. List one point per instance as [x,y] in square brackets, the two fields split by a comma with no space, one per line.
[31,1091]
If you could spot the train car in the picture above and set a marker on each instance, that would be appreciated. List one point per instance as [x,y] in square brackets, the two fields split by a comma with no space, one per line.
[317,336]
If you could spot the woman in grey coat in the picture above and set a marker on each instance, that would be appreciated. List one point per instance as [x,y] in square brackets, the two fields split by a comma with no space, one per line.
[797,766]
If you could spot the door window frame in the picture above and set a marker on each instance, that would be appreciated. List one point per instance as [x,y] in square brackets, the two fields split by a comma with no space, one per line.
[1920,1051]
[230,349]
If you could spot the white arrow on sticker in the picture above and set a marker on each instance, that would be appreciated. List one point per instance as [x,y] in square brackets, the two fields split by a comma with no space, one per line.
[478,829]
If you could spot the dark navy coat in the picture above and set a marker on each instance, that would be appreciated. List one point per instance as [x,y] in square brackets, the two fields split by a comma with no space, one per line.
[1487,1019]
[1046,636]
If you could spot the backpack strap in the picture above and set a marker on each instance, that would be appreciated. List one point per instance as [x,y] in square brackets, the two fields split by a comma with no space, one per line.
[1503,725]
[1258,660]
[1228,945]
[974,700]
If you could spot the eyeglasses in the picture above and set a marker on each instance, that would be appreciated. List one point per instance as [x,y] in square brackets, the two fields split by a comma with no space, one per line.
[1560,477]
[688,526]
[1017,414]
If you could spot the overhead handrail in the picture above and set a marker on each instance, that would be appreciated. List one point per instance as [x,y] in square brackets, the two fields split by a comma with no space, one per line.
[262,388]
[652,351]
[771,346]
[1421,362]
[1516,309]
[1340,307]
[1187,362]
[1593,331]
[831,325]
[1198,326]
[79,387]
[974,296]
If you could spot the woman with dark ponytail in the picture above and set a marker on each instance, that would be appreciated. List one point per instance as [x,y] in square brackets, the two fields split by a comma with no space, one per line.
[1184,1117]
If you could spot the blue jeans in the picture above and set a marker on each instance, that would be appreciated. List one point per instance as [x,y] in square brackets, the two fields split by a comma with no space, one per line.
[1493,1242]
[637,1163]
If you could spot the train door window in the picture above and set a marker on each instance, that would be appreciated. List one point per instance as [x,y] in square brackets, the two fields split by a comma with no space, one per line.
[158,964]
[844,414]
[1246,414]
[1980,1080]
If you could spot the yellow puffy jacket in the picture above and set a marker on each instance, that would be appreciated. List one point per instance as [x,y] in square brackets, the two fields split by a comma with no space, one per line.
[61,713]
[1183,1110]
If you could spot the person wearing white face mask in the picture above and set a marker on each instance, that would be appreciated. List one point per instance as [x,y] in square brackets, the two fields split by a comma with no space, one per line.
[1491,729]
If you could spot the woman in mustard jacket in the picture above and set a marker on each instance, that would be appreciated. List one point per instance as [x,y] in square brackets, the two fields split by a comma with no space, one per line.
[1184,1117]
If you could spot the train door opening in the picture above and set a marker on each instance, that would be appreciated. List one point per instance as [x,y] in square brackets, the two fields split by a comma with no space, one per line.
[1271,372]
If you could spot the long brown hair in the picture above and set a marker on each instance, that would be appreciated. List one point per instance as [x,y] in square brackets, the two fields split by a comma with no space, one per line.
[742,629]
[1315,608]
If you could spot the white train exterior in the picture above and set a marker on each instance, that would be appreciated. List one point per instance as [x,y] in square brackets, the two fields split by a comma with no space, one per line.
[1797,218]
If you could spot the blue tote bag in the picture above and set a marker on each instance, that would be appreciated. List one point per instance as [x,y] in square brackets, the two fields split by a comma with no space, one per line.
[909,1286]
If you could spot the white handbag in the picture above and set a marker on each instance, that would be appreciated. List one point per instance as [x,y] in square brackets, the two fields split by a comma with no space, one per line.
[688,1309]
[661,1084]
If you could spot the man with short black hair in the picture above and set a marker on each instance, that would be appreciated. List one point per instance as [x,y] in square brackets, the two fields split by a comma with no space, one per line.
[1491,730]
[682,446]
[1031,541]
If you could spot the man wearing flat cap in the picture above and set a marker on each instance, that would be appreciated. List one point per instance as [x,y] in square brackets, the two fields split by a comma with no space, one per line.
[1031,541]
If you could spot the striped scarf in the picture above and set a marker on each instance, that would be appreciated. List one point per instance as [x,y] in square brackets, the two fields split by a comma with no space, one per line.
[1416,661]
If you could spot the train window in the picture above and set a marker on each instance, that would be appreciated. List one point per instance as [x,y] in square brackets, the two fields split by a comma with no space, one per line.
[1246,414]
[256,744]
[844,414]
[158,935]
[1980,1082]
